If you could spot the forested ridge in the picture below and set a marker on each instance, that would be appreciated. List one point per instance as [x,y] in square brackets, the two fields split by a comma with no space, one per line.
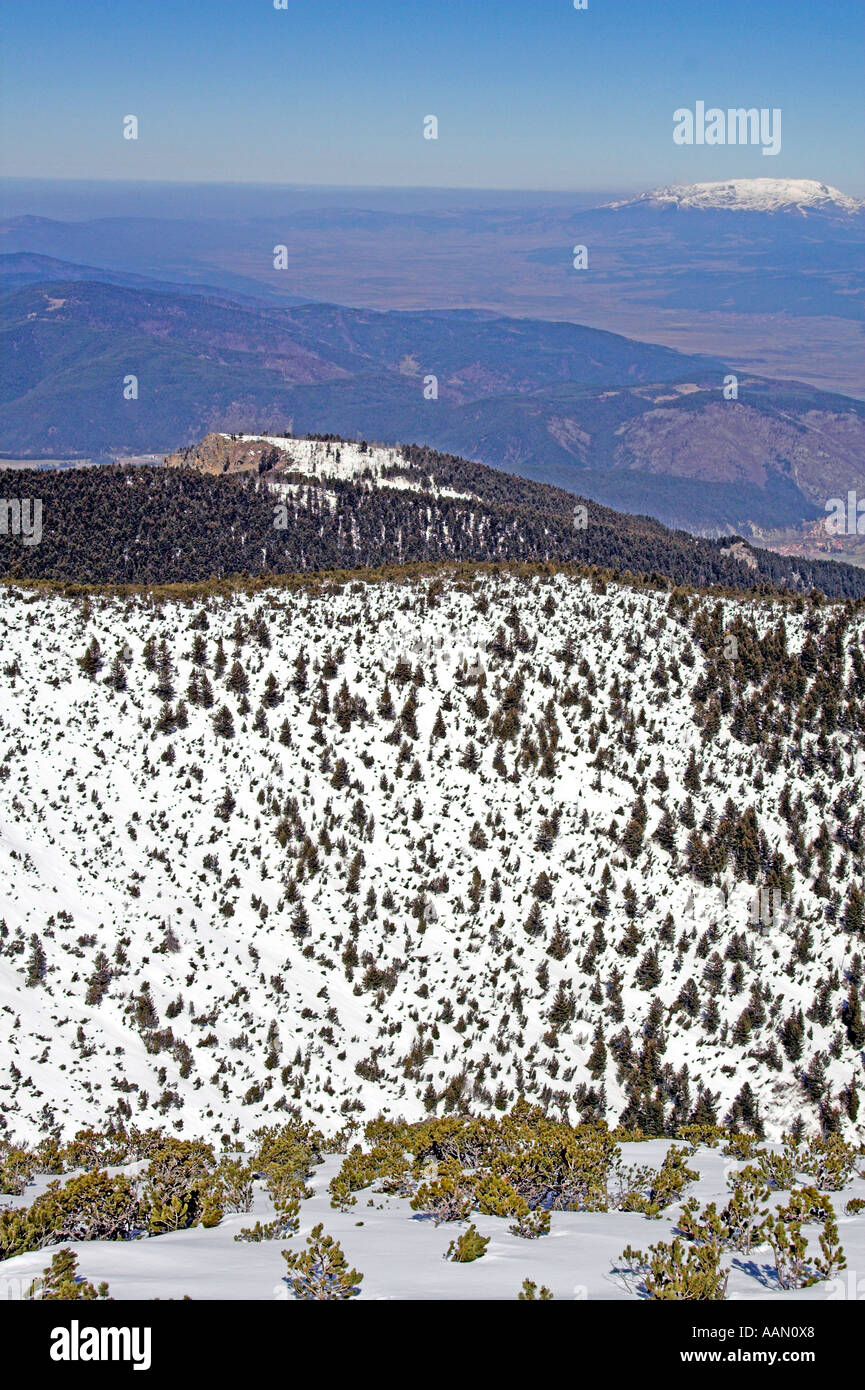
[119,525]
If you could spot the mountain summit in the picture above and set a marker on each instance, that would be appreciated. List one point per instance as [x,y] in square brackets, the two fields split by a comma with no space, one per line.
[751,195]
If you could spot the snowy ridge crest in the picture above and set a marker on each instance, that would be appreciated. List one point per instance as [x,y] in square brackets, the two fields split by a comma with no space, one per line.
[750,195]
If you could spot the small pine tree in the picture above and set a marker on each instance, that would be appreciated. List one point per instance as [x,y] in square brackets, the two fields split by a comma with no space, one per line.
[692,774]
[61,1281]
[238,681]
[223,724]
[321,1271]
[543,889]
[648,974]
[471,758]
[271,697]
[852,1018]
[854,909]
[37,966]
[91,662]
[467,1247]
[530,1293]
[144,1009]
[792,1035]
[560,943]
[563,1007]
[477,837]
[597,1063]
[117,675]
[632,840]
[97,985]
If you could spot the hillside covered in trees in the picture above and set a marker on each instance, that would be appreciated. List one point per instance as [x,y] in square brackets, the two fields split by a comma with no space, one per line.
[261,505]
[424,847]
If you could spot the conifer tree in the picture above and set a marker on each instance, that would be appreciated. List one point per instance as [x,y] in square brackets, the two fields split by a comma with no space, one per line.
[854,909]
[238,681]
[61,1281]
[91,662]
[223,724]
[792,1035]
[117,675]
[688,998]
[560,942]
[164,688]
[665,832]
[851,1015]
[99,981]
[533,924]
[37,967]
[321,1272]
[467,1247]
[529,1293]
[471,758]
[144,1011]
[563,1007]
[691,778]
[597,1063]
[271,697]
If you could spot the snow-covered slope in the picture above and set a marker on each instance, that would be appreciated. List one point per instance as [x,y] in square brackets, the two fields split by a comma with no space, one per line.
[347,460]
[408,877]
[751,195]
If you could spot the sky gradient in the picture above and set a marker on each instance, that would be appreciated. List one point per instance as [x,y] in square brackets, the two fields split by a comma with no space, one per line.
[529,94]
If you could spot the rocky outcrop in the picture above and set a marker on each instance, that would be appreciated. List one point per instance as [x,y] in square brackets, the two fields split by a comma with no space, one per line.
[218,454]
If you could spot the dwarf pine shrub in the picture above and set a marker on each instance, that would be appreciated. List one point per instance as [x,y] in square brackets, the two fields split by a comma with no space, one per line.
[743,1216]
[447,1197]
[532,1225]
[92,1206]
[828,1160]
[321,1271]
[710,1135]
[181,1188]
[283,1225]
[806,1204]
[468,1246]
[776,1170]
[796,1266]
[17,1166]
[650,1190]
[288,1152]
[234,1181]
[675,1271]
[61,1281]
[530,1292]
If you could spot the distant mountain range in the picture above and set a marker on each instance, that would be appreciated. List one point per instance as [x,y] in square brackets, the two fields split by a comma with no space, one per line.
[767,274]
[636,426]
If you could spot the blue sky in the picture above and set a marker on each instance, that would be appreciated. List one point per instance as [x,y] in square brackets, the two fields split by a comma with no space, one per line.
[528,93]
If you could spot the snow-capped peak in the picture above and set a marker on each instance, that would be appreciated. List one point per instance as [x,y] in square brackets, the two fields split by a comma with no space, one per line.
[751,195]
